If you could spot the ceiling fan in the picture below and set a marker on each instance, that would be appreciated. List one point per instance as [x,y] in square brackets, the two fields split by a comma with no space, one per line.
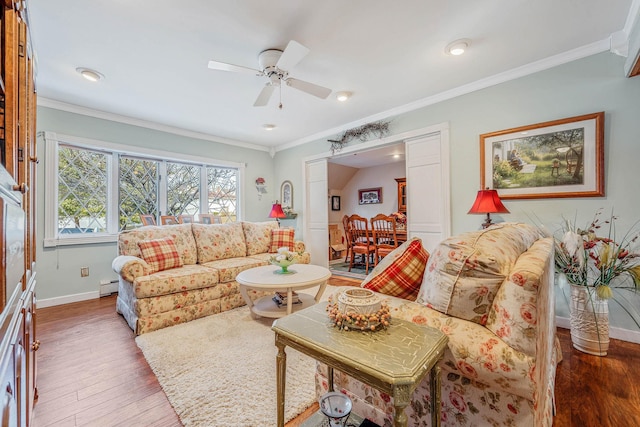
[275,65]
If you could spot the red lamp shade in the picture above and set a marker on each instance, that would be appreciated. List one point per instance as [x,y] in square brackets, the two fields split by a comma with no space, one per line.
[276,212]
[487,202]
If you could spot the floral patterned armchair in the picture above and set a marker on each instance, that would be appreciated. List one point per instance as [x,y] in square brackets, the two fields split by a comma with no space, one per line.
[491,293]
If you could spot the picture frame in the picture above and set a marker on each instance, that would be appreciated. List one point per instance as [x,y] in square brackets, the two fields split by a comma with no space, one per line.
[286,195]
[559,158]
[209,219]
[335,203]
[370,196]
[147,219]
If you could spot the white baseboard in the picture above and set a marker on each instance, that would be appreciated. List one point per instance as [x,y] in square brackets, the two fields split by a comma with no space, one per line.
[50,302]
[616,333]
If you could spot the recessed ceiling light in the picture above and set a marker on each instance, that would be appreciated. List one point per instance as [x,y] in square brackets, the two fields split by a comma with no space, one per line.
[89,74]
[343,96]
[269,126]
[457,47]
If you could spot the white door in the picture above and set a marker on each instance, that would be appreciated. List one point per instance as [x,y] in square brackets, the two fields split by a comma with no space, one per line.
[316,213]
[428,188]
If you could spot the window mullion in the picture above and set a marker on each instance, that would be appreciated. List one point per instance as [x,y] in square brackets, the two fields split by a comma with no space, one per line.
[162,188]
[204,190]
[113,194]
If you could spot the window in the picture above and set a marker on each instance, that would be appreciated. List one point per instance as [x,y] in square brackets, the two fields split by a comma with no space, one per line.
[95,189]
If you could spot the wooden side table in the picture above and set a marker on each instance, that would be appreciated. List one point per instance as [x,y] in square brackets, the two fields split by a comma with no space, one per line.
[394,360]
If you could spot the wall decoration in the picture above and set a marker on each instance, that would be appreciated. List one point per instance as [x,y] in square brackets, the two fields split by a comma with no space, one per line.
[560,158]
[335,203]
[363,133]
[261,186]
[286,195]
[370,196]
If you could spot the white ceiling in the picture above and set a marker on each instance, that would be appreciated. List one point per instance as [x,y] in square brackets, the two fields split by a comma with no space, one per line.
[154,57]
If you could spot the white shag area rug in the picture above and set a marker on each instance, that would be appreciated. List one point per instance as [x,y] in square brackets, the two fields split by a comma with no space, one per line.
[221,371]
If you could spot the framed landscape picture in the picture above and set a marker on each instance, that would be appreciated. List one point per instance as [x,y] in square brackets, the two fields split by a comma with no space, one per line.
[369,196]
[560,158]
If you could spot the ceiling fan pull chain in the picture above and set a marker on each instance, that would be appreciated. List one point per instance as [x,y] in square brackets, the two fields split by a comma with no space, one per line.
[280,105]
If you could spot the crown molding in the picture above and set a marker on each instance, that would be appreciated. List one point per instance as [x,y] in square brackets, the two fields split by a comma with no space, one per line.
[515,73]
[84,111]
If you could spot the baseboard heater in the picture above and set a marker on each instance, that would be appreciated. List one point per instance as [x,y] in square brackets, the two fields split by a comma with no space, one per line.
[108,287]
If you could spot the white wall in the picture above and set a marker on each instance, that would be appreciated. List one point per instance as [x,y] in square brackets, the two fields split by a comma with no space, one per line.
[377,176]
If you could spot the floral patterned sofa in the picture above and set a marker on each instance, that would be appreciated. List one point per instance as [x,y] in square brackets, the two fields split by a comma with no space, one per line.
[176,273]
[491,293]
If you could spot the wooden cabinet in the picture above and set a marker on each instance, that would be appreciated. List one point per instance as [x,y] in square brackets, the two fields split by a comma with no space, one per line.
[402,195]
[18,343]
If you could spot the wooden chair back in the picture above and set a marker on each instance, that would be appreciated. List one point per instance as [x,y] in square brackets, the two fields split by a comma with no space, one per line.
[347,236]
[383,229]
[361,242]
[359,229]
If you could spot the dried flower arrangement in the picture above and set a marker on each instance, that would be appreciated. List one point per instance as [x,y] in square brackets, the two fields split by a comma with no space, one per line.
[363,133]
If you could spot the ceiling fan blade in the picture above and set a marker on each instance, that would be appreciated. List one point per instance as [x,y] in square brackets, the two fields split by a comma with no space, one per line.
[223,66]
[292,55]
[310,88]
[265,95]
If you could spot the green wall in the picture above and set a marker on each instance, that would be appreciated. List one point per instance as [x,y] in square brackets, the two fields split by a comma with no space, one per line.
[584,86]
[59,268]
[589,85]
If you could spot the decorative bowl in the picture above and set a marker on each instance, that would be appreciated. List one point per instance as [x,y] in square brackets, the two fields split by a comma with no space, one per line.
[283,264]
[359,301]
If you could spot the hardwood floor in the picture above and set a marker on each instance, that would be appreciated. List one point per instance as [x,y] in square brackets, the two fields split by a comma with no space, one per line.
[91,373]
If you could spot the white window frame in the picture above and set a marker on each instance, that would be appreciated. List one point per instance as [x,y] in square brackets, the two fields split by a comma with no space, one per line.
[52,141]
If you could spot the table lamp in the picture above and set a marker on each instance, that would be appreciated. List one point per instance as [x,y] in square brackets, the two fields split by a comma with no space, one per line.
[487,202]
[276,212]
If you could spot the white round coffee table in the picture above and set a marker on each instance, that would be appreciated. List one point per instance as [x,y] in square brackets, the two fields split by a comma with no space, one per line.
[266,278]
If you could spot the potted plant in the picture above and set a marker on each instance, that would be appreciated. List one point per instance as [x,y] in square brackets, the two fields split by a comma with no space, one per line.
[593,264]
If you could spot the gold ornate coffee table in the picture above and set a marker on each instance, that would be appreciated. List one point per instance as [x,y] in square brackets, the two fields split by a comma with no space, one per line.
[394,360]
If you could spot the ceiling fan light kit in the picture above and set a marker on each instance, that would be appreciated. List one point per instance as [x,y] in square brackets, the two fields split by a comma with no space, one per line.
[275,65]
[457,47]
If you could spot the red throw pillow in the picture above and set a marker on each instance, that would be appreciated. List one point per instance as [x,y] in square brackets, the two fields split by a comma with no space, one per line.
[282,238]
[160,254]
[400,273]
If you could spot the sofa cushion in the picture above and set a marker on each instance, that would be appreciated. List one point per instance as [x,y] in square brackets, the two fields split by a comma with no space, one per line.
[514,312]
[219,241]
[229,268]
[160,254]
[400,273]
[465,272]
[257,236]
[175,280]
[180,234]
[282,238]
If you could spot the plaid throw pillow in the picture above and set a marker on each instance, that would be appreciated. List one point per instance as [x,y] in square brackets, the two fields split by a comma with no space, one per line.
[160,254]
[400,273]
[282,238]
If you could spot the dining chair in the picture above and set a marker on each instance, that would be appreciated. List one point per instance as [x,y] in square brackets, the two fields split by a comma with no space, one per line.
[168,219]
[361,242]
[347,236]
[385,239]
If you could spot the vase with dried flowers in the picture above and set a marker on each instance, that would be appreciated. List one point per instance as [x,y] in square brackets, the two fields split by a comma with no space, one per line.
[594,264]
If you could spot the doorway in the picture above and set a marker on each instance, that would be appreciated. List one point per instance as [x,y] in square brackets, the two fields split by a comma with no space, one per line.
[428,202]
